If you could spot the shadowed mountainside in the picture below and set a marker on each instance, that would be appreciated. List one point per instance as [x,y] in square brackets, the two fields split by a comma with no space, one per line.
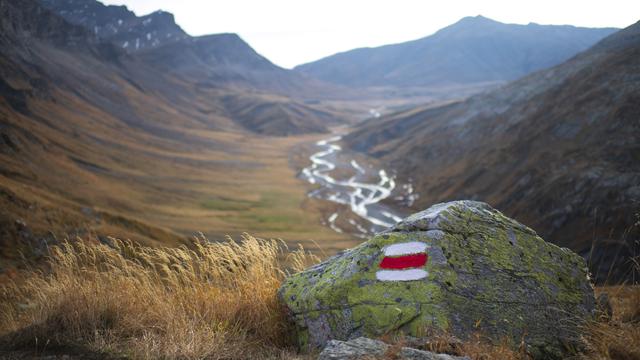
[212,61]
[93,140]
[176,81]
[473,50]
[557,149]
[119,25]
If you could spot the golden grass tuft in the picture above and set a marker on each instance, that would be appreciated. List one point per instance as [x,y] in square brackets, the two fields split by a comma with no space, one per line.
[211,300]
[477,347]
[616,335]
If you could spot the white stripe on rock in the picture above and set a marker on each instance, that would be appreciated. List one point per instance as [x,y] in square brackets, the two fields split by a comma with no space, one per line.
[401,275]
[413,247]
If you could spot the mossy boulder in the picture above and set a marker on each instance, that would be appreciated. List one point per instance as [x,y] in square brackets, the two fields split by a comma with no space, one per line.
[460,267]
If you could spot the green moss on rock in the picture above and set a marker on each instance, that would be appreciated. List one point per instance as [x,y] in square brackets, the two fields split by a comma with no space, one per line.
[485,272]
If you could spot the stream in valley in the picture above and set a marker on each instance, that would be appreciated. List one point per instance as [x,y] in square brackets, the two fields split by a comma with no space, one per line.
[362,193]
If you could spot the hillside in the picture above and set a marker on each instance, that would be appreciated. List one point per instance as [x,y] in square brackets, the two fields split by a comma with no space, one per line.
[557,149]
[473,50]
[212,61]
[94,141]
[214,68]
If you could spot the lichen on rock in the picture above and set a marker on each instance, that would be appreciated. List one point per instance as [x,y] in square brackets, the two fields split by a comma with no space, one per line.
[478,271]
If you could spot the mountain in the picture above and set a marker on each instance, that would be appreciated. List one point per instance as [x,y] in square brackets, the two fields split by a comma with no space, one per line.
[143,70]
[95,141]
[225,60]
[218,60]
[220,65]
[119,25]
[473,50]
[557,150]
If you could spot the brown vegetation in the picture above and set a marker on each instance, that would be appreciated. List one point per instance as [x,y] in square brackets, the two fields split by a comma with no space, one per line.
[96,142]
[213,300]
[616,334]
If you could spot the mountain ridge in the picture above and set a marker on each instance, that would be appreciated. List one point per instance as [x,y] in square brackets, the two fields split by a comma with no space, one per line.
[119,25]
[474,49]
[214,60]
[522,148]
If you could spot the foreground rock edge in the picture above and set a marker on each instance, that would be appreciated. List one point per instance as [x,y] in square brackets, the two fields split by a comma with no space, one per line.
[362,347]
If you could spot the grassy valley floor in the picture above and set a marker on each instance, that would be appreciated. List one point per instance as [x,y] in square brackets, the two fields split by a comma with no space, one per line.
[245,183]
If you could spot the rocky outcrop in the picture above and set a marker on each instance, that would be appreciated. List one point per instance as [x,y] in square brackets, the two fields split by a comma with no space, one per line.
[364,348]
[460,267]
[119,25]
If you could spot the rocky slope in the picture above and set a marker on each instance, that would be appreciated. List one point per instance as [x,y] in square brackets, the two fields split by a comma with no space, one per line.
[119,25]
[557,149]
[473,50]
[219,60]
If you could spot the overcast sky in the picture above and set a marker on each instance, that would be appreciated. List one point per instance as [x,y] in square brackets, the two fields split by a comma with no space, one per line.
[292,32]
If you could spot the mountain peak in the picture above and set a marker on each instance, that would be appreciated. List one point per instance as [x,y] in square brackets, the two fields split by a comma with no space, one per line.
[472,22]
[162,15]
[475,20]
[118,24]
[475,49]
[471,25]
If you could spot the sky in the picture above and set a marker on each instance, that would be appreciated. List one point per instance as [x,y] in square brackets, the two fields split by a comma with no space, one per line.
[292,32]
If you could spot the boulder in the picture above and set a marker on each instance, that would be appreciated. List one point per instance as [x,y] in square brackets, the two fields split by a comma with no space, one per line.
[353,349]
[364,348]
[460,267]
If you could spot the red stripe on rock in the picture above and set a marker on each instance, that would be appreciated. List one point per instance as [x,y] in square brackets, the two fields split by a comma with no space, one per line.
[404,262]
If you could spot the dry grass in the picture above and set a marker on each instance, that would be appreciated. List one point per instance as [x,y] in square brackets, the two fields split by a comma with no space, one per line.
[216,301]
[212,300]
[477,347]
[616,333]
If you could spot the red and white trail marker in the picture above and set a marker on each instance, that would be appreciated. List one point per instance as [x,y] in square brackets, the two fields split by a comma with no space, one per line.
[403,262]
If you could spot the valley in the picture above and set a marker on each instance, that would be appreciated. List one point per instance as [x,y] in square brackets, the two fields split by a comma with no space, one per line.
[179,135]
[172,193]
[362,192]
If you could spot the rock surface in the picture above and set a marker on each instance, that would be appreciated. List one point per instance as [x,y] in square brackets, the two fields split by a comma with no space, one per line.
[460,267]
[364,348]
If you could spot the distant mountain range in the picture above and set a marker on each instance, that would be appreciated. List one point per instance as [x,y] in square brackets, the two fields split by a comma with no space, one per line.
[558,150]
[473,50]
